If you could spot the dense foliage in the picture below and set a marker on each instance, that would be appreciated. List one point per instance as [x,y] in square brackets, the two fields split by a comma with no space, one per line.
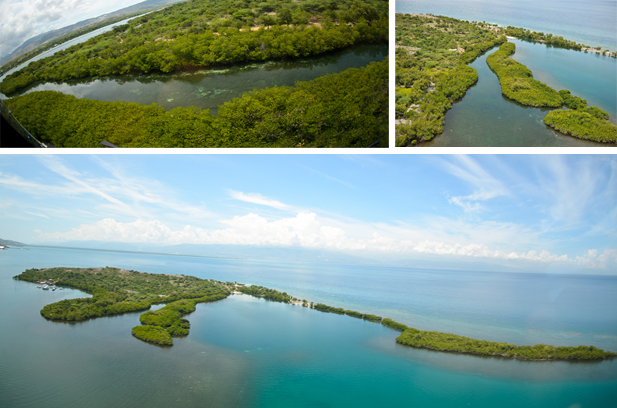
[339,310]
[459,344]
[266,293]
[431,71]
[517,82]
[330,111]
[203,33]
[153,334]
[117,291]
[582,124]
[549,39]
[394,325]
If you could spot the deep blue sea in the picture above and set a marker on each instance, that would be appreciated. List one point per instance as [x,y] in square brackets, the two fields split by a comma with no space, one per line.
[247,352]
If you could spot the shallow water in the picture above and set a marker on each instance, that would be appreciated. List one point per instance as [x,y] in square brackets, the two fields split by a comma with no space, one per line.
[484,117]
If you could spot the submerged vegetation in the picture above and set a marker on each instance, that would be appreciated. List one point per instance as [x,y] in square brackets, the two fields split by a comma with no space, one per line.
[431,74]
[115,286]
[330,111]
[349,109]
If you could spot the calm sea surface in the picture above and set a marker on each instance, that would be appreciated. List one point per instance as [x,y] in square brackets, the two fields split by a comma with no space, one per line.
[247,352]
[210,88]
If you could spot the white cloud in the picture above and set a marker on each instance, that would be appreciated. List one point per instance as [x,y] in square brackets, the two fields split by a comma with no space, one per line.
[256,198]
[306,230]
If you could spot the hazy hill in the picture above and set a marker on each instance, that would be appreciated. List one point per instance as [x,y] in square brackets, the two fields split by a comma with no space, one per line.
[7,242]
[41,39]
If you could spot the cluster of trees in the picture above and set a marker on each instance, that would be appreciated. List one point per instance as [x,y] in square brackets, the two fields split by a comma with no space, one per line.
[517,82]
[339,310]
[330,111]
[582,124]
[431,73]
[189,34]
[545,38]
[169,320]
[394,325]
[153,334]
[459,344]
[115,291]
[266,293]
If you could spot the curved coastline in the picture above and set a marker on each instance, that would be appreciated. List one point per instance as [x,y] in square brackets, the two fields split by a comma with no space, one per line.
[113,290]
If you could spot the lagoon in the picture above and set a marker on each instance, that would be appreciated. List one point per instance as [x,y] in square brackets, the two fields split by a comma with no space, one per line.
[247,352]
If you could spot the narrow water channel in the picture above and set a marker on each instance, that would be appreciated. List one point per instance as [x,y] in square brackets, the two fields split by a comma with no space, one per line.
[484,117]
[210,88]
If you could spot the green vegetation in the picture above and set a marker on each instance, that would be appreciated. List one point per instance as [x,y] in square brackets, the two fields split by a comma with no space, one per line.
[517,82]
[112,286]
[268,294]
[459,344]
[117,291]
[204,33]
[394,325]
[548,39]
[153,334]
[431,71]
[582,121]
[331,111]
[583,125]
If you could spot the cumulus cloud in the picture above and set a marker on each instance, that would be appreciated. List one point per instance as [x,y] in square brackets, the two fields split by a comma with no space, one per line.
[308,231]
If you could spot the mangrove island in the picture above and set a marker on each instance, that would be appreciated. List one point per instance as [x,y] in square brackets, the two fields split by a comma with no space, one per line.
[117,291]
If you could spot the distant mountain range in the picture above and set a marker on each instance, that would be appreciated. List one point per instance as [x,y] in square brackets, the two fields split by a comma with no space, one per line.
[7,242]
[41,39]
[291,254]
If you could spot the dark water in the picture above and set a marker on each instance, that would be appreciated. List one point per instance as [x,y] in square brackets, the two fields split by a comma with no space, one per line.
[591,22]
[246,352]
[210,88]
[485,117]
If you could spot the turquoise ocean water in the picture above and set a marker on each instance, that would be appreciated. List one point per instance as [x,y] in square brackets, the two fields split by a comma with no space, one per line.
[247,352]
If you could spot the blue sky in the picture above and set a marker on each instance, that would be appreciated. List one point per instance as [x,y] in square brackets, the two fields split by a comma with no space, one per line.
[532,212]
